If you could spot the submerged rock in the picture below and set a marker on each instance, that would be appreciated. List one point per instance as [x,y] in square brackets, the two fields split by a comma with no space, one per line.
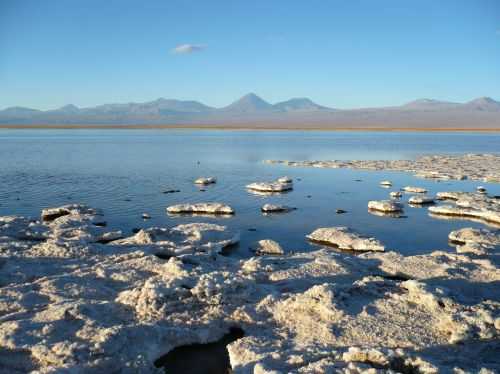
[205,180]
[207,208]
[385,206]
[269,247]
[272,208]
[346,239]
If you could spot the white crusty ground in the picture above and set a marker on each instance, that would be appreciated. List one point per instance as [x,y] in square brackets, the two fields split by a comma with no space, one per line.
[69,304]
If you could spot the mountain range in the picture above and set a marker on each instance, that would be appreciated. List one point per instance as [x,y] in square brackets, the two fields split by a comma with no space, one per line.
[253,111]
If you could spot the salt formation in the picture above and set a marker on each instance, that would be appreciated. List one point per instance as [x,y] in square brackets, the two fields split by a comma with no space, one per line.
[345,238]
[413,189]
[395,194]
[280,185]
[71,304]
[468,205]
[386,183]
[205,208]
[273,208]
[385,205]
[480,167]
[421,200]
[269,247]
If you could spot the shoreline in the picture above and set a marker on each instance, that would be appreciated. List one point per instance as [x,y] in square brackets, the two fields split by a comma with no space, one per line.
[244,128]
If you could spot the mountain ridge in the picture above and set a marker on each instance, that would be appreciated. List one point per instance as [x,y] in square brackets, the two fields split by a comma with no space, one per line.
[253,110]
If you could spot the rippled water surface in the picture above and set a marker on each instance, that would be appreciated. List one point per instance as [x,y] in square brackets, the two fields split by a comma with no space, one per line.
[125,171]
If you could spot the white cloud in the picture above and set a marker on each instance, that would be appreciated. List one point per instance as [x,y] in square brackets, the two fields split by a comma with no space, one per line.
[183,49]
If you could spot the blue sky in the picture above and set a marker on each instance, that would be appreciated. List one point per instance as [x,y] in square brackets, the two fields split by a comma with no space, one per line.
[342,54]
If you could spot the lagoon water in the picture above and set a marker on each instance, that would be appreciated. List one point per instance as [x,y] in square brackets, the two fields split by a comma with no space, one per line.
[124,172]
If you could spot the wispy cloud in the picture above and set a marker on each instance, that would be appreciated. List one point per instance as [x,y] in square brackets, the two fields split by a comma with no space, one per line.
[183,49]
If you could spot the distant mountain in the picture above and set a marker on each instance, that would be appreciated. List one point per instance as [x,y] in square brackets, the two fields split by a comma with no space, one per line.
[302,103]
[483,103]
[18,112]
[253,111]
[429,104]
[248,104]
[68,109]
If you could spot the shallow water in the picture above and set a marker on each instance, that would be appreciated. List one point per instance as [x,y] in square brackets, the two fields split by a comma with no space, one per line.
[125,171]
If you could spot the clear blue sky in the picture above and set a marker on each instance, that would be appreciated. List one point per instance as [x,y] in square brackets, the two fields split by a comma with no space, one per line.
[342,54]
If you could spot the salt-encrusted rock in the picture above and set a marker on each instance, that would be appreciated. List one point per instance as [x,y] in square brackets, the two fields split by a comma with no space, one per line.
[385,206]
[22,228]
[482,214]
[475,241]
[396,194]
[413,189]
[274,208]
[280,185]
[50,214]
[386,183]
[421,200]
[269,247]
[346,239]
[452,195]
[481,189]
[206,208]
[145,216]
[187,238]
[469,234]
[205,180]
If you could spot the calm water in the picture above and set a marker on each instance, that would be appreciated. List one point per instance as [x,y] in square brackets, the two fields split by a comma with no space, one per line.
[125,171]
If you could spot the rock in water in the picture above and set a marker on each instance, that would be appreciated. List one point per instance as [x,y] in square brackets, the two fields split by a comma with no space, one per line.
[205,180]
[385,205]
[272,208]
[421,200]
[269,247]
[284,180]
[206,208]
[412,189]
[346,239]
[475,206]
[280,185]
